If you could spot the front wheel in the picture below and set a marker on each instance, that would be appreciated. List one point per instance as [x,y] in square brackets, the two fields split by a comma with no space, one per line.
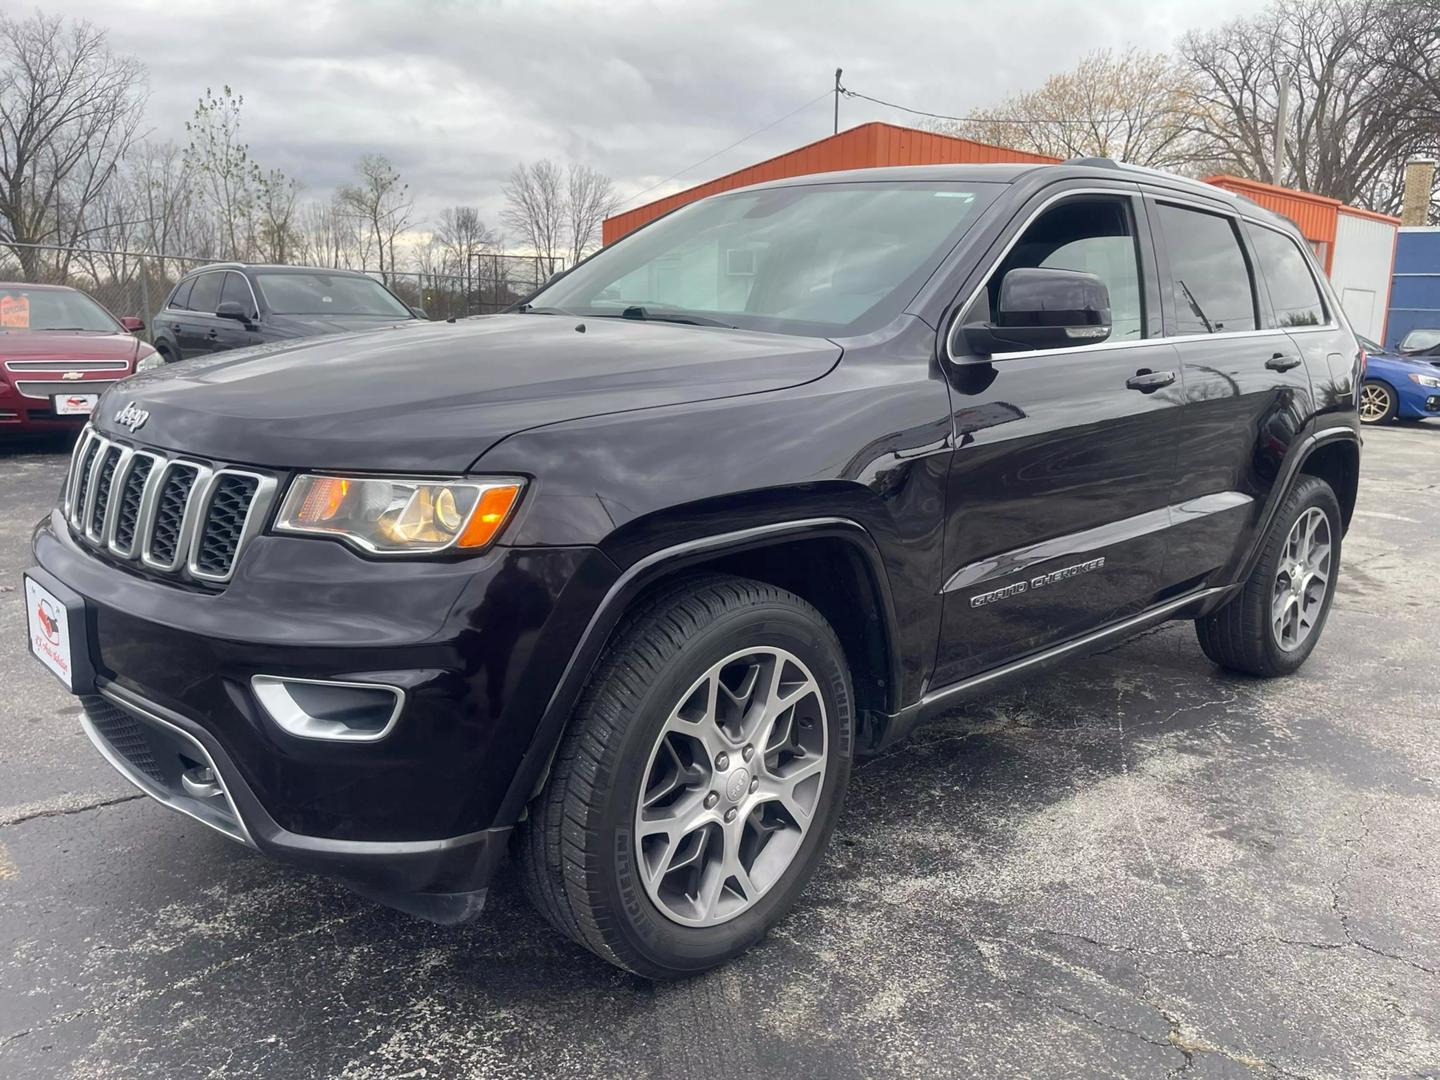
[1275,621]
[1378,402]
[694,793]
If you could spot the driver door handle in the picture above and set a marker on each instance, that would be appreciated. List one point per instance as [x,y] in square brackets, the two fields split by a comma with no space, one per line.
[1281,362]
[1147,381]
[213,334]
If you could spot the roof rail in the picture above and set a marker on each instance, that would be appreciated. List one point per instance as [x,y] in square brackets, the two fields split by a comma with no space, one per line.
[1099,162]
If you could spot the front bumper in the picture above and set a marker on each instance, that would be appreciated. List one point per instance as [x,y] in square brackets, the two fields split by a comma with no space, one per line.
[413,818]
[157,751]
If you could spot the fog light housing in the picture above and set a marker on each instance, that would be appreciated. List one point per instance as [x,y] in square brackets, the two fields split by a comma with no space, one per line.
[328,709]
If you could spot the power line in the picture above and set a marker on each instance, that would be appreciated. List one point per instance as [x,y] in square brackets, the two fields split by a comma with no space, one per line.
[978,119]
[737,142]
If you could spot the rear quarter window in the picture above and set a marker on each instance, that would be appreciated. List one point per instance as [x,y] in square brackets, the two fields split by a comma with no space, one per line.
[1293,292]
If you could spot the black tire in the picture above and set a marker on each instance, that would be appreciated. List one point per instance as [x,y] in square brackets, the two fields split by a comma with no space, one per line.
[576,848]
[1392,402]
[1239,636]
[167,354]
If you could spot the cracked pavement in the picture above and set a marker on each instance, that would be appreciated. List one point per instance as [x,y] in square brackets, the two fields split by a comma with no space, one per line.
[1133,866]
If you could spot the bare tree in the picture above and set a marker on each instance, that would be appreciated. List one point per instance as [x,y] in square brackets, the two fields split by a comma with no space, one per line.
[381,204]
[276,196]
[1353,115]
[163,192]
[590,200]
[327,235]
[460,235]
[535,210]
[1134,106]
[68,109]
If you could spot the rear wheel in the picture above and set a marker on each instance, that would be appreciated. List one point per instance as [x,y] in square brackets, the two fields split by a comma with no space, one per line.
[693,796]
[1377,402]
[1274,623]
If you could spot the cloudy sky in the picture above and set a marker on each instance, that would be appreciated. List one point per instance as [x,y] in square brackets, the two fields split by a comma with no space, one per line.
[457,91]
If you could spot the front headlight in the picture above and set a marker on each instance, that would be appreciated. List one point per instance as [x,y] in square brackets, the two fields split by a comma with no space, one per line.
[399,516]
[1426,380]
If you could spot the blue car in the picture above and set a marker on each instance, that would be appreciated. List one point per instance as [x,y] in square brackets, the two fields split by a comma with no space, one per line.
[1397,387]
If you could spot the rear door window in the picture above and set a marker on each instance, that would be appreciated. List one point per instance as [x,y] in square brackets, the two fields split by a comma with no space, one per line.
[1209,274]
[205,295]
[1293,292]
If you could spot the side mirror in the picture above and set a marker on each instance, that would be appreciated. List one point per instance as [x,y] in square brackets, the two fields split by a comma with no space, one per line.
[232,309]
[1044,309]
[418,312]
[132,325]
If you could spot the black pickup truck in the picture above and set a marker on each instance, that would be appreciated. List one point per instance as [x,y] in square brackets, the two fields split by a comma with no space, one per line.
[623,581]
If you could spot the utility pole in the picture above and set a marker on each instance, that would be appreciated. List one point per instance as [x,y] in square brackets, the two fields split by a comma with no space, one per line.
[1282,121]
[837,100]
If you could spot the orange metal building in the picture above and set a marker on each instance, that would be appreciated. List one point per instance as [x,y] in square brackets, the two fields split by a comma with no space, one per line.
[867,146]
[1316,216]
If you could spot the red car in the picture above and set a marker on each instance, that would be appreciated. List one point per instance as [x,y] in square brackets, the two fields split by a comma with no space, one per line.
[59,351]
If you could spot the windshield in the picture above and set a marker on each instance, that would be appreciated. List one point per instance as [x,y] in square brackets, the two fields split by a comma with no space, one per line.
[319,293]
[1417,340]
[53,309]
[823,259]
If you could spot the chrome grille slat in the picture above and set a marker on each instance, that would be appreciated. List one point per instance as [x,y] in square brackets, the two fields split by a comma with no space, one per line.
[67,365]
[171,514]
[44,391]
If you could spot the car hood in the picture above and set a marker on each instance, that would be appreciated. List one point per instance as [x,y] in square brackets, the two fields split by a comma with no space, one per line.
[66,345]
[313,325]
[432,397]
[1400,365]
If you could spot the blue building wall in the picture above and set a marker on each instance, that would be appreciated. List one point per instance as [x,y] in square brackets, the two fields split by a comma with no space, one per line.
[1415,294]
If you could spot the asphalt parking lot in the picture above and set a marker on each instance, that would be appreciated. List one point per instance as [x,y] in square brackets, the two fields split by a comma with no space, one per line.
[1133,867]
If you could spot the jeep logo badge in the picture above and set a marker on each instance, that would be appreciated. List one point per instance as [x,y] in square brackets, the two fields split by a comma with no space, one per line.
[131,417]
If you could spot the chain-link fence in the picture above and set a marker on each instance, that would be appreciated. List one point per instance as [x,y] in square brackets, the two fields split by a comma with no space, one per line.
[491,283]
[137,283]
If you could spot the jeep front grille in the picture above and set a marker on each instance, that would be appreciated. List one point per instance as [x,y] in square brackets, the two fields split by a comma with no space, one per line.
[169,514]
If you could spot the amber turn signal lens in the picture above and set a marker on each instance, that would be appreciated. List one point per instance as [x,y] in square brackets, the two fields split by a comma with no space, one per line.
[323,499]
[489,516]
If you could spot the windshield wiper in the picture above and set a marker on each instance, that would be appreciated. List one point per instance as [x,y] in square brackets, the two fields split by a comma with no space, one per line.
[1195,306]
[650,314]
[532,309]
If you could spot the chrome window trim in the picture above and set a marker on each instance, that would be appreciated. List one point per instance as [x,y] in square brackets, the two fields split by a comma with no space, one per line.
[267,689]
[255,515]
[1198,204]
[955,324]
[218,270]
[188,521]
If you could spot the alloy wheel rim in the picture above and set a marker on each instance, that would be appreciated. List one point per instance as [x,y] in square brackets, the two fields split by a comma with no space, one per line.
[1374,402]
[731,787]
[1302,580]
